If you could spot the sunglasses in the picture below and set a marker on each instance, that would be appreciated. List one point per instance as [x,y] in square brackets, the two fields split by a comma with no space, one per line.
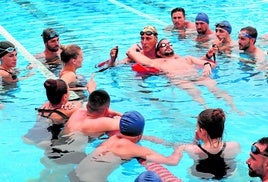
[148,33]
[164,44]
[255,150]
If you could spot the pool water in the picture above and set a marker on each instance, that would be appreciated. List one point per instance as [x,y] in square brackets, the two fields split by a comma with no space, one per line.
[170,113]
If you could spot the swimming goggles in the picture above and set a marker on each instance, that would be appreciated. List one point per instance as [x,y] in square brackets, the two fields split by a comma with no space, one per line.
[9,49]
[148,33]
[221,25]
[219,30]
[255,150]
[245,35]
[165,44]
[51,35]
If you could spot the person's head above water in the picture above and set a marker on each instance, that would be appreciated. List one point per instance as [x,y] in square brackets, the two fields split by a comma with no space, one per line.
[131,123]
[49,33]
[6,47]
[202,17]
[148,176]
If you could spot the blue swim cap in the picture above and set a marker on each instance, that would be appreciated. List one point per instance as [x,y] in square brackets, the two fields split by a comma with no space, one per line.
[202,17]
[225,25]
[131,123]
[148,176]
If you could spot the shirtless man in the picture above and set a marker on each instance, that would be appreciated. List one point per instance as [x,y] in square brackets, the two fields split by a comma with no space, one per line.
[223,40]
[51,55]
[119,149]
[96,118]
[149,40]
[204,33]
[246,42]
[183,71]
[179,21]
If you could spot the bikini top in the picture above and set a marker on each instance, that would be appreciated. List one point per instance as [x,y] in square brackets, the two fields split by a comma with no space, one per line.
[13,75]
[50,112]
[213,164]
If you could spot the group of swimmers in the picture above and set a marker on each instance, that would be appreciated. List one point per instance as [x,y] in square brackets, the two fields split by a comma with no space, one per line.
[124,131]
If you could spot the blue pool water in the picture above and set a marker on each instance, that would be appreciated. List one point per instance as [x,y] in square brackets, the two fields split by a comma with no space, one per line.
[97,26]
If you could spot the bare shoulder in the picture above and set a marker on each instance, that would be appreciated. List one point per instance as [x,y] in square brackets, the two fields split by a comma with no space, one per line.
[39,55]
[232,149]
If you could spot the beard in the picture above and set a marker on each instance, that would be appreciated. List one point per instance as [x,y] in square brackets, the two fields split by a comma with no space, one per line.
[168,54]
[53,49]
[252,173]
[201,32]
[244,48]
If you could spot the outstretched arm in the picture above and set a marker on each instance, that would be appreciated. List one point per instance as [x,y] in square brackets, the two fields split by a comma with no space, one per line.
[140,58]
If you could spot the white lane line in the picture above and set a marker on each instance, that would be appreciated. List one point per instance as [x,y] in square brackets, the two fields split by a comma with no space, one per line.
[28,56]
[138,12]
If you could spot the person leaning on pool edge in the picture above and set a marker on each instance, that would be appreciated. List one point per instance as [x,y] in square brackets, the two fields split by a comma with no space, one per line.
[258,160]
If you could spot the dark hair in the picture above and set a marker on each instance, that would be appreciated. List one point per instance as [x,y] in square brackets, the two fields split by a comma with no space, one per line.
[55,89]
[264,141]
[69,52]
[98,100]
[212,120]
[251,32]
[177,10]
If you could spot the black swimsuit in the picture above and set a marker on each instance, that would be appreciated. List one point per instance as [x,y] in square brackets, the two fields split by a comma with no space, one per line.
[213,164]
[55,129]
[13,75]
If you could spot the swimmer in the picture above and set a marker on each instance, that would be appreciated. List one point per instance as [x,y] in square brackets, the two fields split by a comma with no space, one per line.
[119,149]
[179,21]
[183,71]
[8,58]
[204,33]
[214,158]
[246,42]
[50,57]
[72,58]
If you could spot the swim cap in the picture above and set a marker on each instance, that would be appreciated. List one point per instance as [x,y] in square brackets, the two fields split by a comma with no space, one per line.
[131,123]
[202,17]
[225,25]
[148,176]
[5,45]
[149,29]
[48,34]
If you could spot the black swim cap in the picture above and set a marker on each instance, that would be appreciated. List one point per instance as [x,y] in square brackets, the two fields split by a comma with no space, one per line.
[48,34]
[3,46]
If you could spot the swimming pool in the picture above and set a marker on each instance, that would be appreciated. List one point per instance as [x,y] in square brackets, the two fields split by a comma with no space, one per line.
[97,26]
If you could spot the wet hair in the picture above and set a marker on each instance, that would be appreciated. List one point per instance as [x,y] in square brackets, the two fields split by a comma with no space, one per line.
[251,31]
[177,10]
[212,120]
[55,89]
[69,52]
[98,100]
[158,48]
[264,141]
